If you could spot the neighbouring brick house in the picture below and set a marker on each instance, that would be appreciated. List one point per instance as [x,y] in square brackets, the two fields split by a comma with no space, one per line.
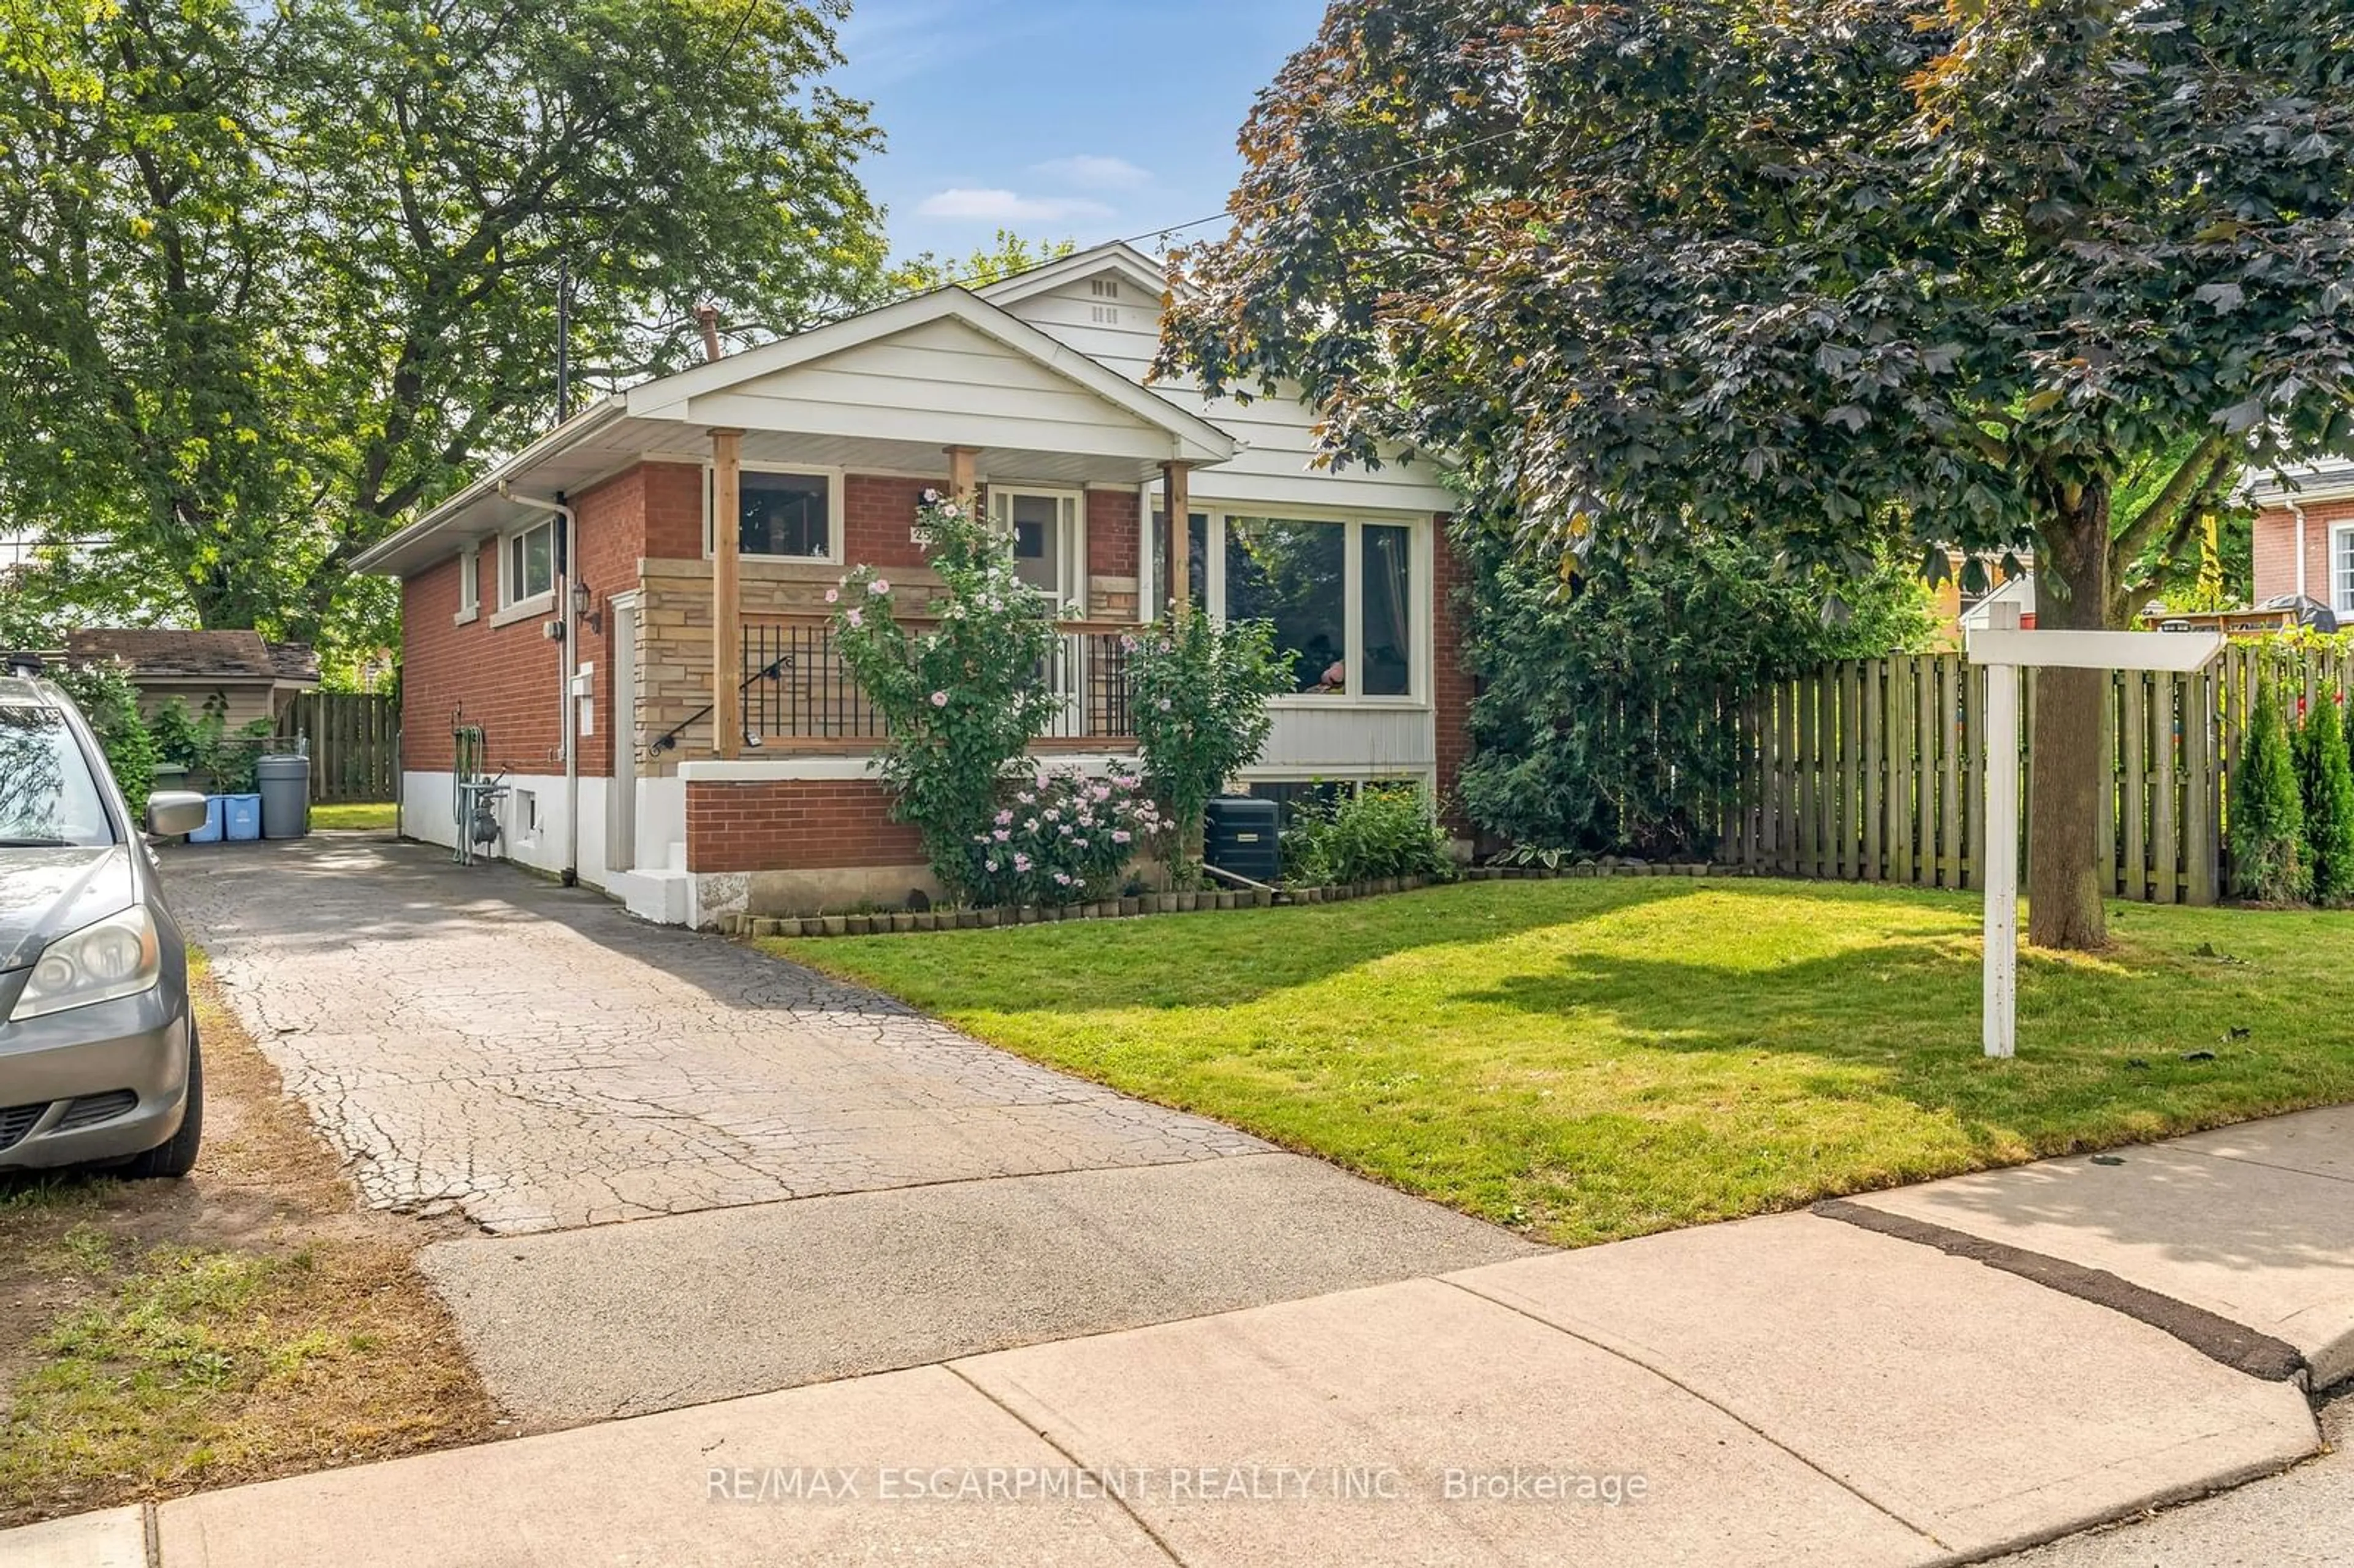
[702,797]
[2304,536]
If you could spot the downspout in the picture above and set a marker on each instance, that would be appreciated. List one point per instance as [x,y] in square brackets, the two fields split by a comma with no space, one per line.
[568,665]
[2298,512]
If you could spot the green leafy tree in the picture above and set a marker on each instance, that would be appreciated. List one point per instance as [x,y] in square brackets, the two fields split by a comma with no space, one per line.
[960,699]
[1602,719]
[281,274]
[110,703]
[2268,862]
[1811,271]
[2325,788]
[1197,695]
[986,264]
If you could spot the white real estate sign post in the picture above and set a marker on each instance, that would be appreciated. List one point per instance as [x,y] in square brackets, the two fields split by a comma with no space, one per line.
[2005,650]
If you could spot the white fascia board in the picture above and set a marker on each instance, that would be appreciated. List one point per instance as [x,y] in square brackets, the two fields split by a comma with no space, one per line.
[2178,653]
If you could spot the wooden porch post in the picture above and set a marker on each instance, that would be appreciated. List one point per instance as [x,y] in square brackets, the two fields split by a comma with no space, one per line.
[727,599]
[961,484]
[1177,501]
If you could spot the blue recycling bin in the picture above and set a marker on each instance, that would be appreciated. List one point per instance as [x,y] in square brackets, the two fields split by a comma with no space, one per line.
[210,833]
[241,817]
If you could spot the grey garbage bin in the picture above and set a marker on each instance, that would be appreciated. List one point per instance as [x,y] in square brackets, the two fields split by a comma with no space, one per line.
[285,784]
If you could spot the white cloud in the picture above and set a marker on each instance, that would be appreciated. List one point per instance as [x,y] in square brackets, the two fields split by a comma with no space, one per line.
[1007,206]
[1089,172]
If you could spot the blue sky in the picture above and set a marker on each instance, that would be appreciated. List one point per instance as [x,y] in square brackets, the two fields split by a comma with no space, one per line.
[1056,119]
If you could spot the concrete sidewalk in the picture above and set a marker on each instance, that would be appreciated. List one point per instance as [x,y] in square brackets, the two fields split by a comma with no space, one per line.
[1802,1388]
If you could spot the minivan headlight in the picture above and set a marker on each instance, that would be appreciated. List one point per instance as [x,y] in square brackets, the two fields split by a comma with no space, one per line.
[117,956]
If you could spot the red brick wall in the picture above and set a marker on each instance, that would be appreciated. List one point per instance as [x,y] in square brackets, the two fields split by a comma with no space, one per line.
[674,510]
[1450,680]
[503,678]
[2276,549]
[794,824]
[876,515]
[1111,533]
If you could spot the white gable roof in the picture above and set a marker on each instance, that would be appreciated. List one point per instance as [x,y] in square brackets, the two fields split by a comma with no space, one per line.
[1123,261]
[890,373]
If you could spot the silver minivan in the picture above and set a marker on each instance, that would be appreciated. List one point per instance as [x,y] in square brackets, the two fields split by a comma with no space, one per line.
[99,1062]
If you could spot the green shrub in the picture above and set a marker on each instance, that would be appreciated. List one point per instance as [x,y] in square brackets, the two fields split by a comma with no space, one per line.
[213,758]
[107,698]
[1198,692]
[2268,863]
[960,700]
[2326,786]
[1383,830]
[1601,723]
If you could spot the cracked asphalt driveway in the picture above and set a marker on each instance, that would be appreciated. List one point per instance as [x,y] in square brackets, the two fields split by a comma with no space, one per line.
[825,1182]
[534,1057]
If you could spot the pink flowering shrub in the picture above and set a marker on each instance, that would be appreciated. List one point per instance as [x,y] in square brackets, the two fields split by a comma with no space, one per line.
[959,697]
[1060,838]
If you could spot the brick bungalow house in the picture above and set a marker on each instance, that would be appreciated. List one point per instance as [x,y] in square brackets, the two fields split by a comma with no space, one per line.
[698,797]
[2304,534]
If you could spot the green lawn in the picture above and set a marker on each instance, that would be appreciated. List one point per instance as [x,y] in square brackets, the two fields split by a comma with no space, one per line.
[353,814]
[1596,1059]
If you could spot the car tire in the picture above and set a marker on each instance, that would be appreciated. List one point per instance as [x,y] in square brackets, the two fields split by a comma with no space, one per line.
[178,1156]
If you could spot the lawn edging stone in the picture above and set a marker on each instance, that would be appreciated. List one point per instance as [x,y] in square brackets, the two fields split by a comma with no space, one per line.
[1145,905]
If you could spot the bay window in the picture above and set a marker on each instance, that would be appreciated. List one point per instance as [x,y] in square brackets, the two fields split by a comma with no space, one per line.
[1297,576]
[1345,595]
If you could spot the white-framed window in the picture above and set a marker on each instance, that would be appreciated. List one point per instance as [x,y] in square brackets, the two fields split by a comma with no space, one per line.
[1348,595]
[1049,531]
[528,564]
[469,582]
[782,513]
[2341,568]
[1152,597]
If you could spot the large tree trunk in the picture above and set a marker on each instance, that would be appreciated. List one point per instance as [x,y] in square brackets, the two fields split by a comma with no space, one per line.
[2071,593]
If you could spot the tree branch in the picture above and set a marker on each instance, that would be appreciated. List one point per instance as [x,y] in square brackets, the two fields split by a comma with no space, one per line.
[2191,481]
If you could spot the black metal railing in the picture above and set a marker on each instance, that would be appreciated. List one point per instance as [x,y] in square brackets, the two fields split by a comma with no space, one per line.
[796,687]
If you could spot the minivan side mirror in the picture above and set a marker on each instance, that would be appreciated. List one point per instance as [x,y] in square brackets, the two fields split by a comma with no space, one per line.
[172,813]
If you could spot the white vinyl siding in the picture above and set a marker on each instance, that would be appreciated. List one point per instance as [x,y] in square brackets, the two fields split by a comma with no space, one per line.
[899,390]
[1276,466]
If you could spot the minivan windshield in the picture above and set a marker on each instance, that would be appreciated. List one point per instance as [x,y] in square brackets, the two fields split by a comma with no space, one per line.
[48,794]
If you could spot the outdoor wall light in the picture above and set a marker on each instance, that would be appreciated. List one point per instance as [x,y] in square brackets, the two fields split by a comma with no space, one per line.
[593,618]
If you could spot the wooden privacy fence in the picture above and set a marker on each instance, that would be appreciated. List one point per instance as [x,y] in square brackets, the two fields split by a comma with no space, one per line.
[1874,771]
[354,742]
